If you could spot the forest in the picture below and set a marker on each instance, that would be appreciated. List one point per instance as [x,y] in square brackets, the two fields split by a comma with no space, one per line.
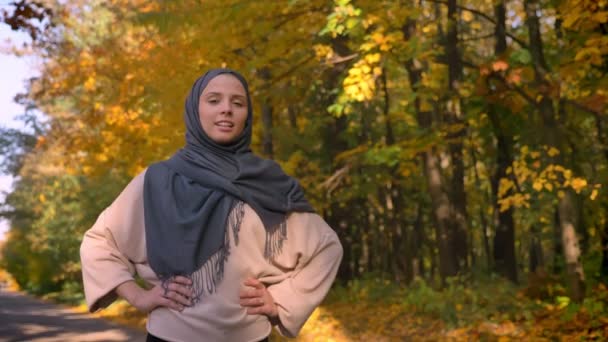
[459,148]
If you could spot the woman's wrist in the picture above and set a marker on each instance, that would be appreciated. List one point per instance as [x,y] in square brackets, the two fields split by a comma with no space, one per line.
[129,291]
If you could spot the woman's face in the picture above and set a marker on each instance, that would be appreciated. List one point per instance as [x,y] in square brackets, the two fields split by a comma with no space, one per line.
[222,108]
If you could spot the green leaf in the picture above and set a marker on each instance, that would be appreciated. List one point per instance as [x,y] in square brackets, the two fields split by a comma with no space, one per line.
[521,56]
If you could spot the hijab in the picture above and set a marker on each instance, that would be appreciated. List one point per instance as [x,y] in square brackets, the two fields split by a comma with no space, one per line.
[191,199]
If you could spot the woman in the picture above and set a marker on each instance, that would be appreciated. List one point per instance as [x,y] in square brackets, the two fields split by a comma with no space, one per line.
[226,241]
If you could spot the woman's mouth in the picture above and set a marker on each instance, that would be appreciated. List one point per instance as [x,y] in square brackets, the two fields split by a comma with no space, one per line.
[224,125]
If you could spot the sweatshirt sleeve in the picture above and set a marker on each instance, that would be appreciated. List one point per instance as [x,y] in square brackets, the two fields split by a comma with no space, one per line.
[318,252]
[112,245]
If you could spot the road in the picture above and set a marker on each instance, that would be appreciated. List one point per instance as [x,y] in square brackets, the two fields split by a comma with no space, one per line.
[23,318]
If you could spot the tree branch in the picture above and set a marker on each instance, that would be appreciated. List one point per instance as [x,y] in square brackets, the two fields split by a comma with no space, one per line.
[292,69]
[583,108]
[511,87]
[293,15]
[486,17]
[341,59]
[530,99]
[485,36]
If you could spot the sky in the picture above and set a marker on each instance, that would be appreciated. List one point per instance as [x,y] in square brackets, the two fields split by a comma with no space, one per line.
[13,73]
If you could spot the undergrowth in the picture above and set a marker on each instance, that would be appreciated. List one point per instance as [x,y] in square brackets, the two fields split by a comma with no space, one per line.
[465,309]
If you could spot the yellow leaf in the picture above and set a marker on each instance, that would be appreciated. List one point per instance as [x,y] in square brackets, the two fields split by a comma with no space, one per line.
[578,184]
[373,58]
[90,83]
[323,51]
[553,152]
[378,38]
[467,16]
[504,186]
[600,17]
[504,205]
[538,185]
[593,194]
[548,186]
[355,71]
[590,54]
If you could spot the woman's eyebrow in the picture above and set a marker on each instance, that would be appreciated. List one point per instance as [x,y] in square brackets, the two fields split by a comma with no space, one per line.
[221,94]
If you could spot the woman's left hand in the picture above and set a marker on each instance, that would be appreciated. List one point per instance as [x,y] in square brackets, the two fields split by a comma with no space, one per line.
[256,298]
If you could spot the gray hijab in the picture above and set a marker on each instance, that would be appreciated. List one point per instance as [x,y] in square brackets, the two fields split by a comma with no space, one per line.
[192,198]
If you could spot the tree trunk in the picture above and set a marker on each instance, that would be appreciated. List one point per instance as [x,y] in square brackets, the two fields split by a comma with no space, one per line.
[482,214]
[416,243]
[505,262]
[293,120]
[504,239]
[537,258]
[267,147]
[448,265]
[458,210]
[346,271]
[339,217]
[558,251]
[603,140]
[394,201]
[574,269]
[604,239]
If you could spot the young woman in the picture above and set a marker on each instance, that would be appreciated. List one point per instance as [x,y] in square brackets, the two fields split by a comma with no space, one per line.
[226,241]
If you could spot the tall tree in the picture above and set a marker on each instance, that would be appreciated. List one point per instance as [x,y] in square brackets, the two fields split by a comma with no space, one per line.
[455,117]
[448,265]
[504,238]
[552,137]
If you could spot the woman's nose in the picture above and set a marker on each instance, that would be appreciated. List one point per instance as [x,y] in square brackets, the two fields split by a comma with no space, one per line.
[226,107]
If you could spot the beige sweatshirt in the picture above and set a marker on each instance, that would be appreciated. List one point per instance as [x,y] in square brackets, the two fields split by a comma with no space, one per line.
[298,278]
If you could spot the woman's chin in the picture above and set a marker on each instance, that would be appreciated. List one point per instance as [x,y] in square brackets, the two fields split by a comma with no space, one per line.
[223,139]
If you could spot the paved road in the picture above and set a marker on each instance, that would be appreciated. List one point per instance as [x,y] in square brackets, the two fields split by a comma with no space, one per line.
[23,318]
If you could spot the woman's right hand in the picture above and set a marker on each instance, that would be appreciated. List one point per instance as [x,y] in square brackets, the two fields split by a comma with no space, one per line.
[175,294]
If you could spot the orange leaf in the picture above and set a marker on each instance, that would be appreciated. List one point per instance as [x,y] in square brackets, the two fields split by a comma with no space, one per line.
[500,65]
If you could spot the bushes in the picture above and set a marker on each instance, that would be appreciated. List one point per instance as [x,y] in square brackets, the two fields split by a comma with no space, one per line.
[457,304]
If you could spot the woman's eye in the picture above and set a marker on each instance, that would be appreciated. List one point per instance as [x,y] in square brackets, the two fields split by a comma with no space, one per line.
[213,101]
[238,104]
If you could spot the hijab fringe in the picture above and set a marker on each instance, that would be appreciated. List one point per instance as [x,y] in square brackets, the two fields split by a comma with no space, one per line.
[211,273]
[206,279]
[274,239]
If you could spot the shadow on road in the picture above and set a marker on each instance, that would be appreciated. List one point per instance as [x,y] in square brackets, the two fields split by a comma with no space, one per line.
[27,319]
